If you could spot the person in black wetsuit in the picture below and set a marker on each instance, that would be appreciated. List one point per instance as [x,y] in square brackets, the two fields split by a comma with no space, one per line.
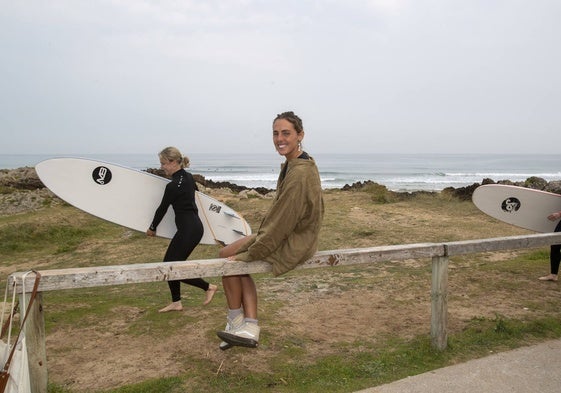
[555,252]
[180,194]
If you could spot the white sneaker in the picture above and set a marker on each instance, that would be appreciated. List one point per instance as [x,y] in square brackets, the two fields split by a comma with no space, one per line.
[231,325]
[247,335]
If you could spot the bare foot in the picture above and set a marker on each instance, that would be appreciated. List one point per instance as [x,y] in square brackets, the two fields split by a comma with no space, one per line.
[210,293]
[175,306]
[549,277]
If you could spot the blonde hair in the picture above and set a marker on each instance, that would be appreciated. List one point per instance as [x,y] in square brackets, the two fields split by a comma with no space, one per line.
[173,154]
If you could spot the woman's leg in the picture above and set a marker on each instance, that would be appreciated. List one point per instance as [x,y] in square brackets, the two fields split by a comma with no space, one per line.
[175,304]
[181,246]
[241,295]
[249,297]
[240,290]
[242,325]
[233,290]
[554,259]
[210,289]
[172,253]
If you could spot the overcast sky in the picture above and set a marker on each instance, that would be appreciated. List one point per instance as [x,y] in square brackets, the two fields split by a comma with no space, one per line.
[437,76]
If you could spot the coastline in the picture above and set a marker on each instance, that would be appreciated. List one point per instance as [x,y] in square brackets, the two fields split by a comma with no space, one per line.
[397,172]
[21,189]
[26,179]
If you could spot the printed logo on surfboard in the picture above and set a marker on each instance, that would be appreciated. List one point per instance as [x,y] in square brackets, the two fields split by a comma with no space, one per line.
[511,205]
[101,175]
[214,208]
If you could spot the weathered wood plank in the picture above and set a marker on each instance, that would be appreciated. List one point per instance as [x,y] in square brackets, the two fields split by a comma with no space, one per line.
[502,243]
[439,303]
[372,254]
[35,336]
[73,278]
[87,277]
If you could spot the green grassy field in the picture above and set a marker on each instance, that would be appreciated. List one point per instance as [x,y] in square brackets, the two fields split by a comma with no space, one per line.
[323,330]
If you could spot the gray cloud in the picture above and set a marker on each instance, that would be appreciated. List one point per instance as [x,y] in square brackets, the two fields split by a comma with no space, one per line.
[366,76]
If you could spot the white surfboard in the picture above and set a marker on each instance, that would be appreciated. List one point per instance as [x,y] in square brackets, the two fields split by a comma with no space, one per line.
[523,207]
[129,197]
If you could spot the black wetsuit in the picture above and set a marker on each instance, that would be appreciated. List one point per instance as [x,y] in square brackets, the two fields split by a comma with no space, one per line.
[555,253]
[180,194]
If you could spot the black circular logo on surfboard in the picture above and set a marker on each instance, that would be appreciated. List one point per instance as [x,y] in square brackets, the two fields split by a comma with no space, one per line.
[511,205]
[101,175]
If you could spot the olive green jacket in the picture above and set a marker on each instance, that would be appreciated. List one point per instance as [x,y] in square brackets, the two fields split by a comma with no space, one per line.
[289,233]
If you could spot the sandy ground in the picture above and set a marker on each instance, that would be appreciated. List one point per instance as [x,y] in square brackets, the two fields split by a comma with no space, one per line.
[319,310]
[311,311]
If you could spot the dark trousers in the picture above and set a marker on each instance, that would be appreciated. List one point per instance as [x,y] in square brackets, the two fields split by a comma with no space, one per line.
[555,253]
[188,235]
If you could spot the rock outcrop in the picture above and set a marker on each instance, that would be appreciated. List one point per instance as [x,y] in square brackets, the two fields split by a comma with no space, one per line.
[22,190]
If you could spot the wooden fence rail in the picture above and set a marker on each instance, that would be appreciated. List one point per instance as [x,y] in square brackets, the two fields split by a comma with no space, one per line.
[87,277]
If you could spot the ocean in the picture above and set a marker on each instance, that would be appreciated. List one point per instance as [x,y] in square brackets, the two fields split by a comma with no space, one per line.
[398,172]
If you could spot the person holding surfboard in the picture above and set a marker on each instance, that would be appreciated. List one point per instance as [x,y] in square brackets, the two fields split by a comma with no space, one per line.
[287,236]
[555,252]
[180,194]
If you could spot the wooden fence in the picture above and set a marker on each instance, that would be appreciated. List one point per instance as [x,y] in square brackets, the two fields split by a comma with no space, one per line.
[439,253]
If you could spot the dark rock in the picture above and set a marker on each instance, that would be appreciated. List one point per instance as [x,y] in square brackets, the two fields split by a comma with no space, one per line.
[554,186]
[536,183]
[157,172]
[213,184]
[506,182]
[24,178]
[463,193]
[359,185]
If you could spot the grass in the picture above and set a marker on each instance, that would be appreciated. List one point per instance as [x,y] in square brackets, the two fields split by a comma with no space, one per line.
[169,385]
[374,365]
[26,236]
[62,237]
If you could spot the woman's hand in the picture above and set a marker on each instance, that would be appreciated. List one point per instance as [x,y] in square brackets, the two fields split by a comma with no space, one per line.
[150,233]
[554,216]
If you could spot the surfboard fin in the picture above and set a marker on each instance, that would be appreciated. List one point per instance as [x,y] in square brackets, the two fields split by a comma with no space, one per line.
[232,215]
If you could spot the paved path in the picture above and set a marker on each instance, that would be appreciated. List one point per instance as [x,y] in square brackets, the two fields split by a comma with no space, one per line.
[524,370]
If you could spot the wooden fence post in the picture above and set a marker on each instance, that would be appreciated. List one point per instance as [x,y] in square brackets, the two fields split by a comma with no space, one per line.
[439,303]
[35,338]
